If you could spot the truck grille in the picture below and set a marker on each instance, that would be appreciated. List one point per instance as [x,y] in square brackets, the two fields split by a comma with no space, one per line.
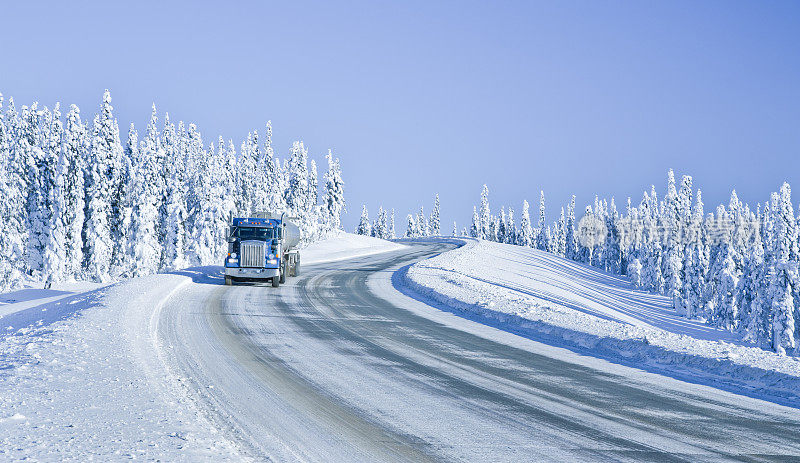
[252,254]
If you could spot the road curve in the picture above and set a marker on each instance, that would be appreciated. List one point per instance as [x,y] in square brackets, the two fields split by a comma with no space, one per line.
[337,366]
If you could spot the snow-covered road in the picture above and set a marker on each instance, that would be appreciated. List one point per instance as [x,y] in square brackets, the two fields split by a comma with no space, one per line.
[338,365]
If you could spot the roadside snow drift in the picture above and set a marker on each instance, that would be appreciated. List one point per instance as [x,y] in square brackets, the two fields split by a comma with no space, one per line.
[557,301]
[342,246]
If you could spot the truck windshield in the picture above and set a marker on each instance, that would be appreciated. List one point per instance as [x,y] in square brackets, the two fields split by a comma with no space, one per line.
[254,233]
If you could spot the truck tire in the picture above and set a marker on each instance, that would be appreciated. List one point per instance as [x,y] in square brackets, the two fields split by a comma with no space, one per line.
[283,274]
[297,267]
[228,280]
[275,282]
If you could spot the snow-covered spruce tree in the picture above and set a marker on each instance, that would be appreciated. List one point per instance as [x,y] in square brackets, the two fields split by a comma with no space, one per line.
[312,211]
[379,225]
[484,216]
[541,241]
[784,276]
[174,256]
[334,193]
[124,263]
[435,222]
[54,253]
[673,258]
[392,234]
[695,265]
[423,227]
[502,223]
[145,217]
[411,229]
[36,183]
[755,315]
[10,245]
[72,173]
[475,228]
[14,197]
[612,253]
[455,229]
[203,243]
[525,237]
[224,167]
[102,190]
[561,235]
[571,251]
[364,227]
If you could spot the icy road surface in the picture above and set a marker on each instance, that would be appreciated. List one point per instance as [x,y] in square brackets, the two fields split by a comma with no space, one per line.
[339,366]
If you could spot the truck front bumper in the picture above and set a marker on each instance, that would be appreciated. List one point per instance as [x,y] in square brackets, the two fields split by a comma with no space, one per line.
[258,273]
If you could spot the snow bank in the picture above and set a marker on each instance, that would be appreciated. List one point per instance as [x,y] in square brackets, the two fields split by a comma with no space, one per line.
[342,246]
[81,378]
[564,303]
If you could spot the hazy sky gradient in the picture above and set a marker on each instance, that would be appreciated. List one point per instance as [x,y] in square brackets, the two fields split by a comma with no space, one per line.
[425,97]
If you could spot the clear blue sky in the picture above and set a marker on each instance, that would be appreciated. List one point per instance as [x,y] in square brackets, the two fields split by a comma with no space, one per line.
[425,97]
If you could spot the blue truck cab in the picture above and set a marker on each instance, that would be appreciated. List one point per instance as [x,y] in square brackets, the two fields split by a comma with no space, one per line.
[259,248]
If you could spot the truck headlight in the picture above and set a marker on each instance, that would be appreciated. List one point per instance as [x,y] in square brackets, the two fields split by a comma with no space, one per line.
[271,256]
[233,255]
[272,261]
[233,261]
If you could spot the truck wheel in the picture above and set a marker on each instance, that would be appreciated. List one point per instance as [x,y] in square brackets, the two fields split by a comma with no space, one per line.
[275,282]
[228,280]
[283,274]
[297,268]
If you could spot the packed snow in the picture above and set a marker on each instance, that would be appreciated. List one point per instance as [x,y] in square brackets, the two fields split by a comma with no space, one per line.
[566,303]
[82,376]
[340,245]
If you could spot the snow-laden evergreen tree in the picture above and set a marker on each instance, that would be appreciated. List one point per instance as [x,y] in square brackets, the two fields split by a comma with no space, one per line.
[54,251]
[37,179]
[147,187]
[73,189]
[392,234]
[751,291]
[203,242]
[561,235]
[412,231]
[435,222]
[312,212]
[273,177]
[174,255]
[10,241]
[423,228]
[455,229]
[541,239]
[14,197]
[525,237]
[124,263]
[695,265]
[784,276]
[612,252]
[475,229]
[297,193]
[334,193]
[571,238]
[485,216]
[224,167]
[380,226]
[364,227]
[102,190]
[502,225]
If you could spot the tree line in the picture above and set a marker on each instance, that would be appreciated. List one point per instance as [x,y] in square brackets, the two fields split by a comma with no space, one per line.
[77,203]
[734,267]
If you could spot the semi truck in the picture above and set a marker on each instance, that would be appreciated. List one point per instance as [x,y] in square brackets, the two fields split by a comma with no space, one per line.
[262,248]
